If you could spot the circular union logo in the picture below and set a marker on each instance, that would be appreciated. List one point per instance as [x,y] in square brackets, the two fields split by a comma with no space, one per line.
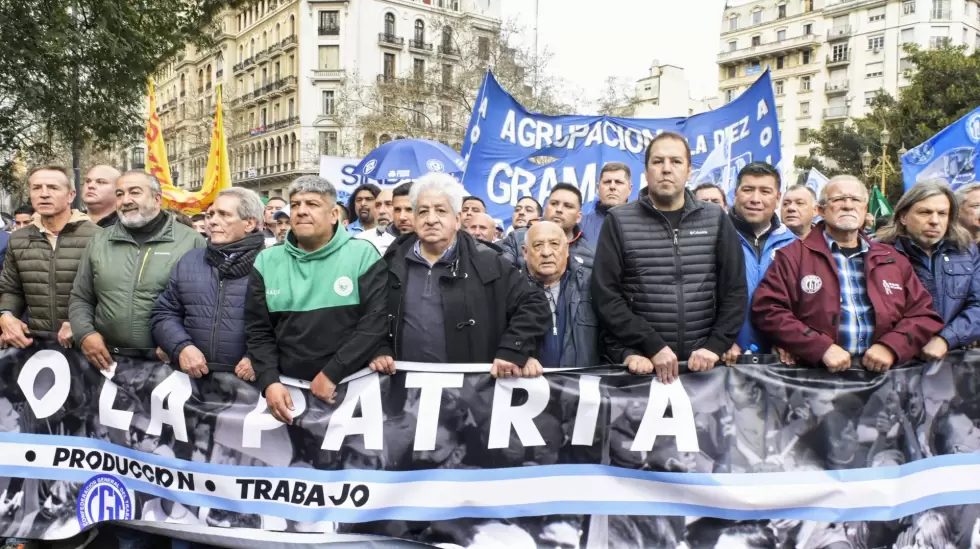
[370,166]
[811,284]
[103,498]
[343,286]
[921,154]
[435,166]
[973,128]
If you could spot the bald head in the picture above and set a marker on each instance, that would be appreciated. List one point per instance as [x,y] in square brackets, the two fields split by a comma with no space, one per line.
[99,191]
[546,252]
[481,226]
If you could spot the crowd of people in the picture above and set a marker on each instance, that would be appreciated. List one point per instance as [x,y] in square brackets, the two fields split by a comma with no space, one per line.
[308,287]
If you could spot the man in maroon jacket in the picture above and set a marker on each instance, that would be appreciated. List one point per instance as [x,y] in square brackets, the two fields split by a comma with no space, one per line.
[836,295]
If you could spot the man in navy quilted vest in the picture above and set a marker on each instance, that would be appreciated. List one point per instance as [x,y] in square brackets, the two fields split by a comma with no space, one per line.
[200,318]
[669,277]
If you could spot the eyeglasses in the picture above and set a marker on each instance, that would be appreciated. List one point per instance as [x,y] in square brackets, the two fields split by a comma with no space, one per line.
[840,199]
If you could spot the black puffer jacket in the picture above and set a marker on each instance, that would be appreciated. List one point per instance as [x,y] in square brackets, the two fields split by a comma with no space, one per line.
[653,285]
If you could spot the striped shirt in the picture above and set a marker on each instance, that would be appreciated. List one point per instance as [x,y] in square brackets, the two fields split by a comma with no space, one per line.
[857,315]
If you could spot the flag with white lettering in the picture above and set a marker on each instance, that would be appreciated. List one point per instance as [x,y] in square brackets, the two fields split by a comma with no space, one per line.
[448,455]
[512,153]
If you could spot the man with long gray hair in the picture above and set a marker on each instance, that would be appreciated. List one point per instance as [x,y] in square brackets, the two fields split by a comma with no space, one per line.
[207,290]
[925,228]
[315,308]
[455,300]
[968,197]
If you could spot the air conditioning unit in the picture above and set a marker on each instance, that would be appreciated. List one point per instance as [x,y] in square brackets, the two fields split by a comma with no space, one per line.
[876,50]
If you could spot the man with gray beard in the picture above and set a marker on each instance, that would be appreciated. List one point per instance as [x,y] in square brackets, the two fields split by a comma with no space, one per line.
[123,271]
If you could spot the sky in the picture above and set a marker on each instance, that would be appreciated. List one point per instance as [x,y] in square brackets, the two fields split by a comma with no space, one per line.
[592,40]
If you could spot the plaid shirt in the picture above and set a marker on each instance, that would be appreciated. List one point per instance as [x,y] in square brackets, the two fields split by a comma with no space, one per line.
[857,316]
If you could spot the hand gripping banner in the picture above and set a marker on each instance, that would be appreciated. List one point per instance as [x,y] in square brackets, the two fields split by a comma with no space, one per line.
[755,455]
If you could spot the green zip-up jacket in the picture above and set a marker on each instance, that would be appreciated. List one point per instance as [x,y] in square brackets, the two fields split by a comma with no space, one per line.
[118,282]
[311,312]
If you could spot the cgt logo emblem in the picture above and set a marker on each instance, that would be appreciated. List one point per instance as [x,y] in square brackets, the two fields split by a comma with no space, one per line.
[811,284]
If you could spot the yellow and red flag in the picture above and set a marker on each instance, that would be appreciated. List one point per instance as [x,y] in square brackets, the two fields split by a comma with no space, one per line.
[217,175]
[156,150]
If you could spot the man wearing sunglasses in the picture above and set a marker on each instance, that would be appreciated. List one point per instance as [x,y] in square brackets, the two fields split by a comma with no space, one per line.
[836,295]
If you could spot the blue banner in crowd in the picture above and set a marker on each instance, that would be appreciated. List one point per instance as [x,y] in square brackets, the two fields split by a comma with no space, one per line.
[512,153]
[445,454]
[950,155]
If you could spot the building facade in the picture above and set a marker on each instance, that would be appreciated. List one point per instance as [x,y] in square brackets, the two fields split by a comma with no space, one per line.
[284,68]
[665,93]
[830,58]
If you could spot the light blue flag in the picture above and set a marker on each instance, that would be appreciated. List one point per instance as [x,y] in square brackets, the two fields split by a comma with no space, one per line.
[950,155]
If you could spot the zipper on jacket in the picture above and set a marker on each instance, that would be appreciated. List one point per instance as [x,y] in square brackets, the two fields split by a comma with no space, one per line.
[53,285]
[143,265]
[217,319]
[678,288]
[132,292]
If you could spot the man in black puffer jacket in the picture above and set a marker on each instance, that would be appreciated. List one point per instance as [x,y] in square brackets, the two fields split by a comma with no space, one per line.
[669,277]
[200,318]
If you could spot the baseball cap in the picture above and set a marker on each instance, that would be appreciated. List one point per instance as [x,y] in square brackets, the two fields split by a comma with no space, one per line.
[284,211]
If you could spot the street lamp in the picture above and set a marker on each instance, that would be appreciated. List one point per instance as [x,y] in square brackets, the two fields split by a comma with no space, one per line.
[884,166]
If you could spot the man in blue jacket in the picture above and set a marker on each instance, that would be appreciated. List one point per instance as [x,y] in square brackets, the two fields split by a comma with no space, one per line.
[200,318]
[926,230]
[754,215]
[615,186]
[572,340]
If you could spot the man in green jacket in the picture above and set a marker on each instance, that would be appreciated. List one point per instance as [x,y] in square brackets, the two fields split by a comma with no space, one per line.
[123,271]
[316,307]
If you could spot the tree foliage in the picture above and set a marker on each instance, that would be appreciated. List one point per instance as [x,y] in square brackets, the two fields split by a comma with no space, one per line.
[944,85]
[410,104]
[75,71]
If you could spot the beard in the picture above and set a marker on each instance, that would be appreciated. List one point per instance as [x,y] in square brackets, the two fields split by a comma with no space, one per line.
[144,214]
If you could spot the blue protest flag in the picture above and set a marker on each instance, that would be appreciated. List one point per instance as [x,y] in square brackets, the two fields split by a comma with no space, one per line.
[950,155]
[511,153]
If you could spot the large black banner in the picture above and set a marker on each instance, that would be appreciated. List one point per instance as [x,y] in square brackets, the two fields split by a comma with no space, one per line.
[750,456]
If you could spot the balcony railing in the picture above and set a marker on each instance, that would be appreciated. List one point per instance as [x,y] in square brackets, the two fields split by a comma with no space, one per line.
[329,30]
[835,112]
[797,43]
[837,87]
[420,45]
[329,74]
[219,73]
[448,49]
[837,33]
[390,40]
[238,67]
[289,42]
[248,62]
[261,55]
[941,14]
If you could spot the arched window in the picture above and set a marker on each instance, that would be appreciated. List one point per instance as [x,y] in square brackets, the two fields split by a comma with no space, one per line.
[385,138]
[251,48]
[390,24]
[265,41]
[419,31]
[200,81]
[241,53]
[292,25]
[207,78]
[219,63]
[277,36]
[447,37]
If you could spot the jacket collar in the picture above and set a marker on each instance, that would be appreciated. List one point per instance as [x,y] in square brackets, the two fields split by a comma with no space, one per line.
[119,233]
[470,257]
[340,237]
[600,208]
[816,242]
[691,204]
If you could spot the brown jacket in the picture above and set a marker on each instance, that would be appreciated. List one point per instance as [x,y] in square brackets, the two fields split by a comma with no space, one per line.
[39,270]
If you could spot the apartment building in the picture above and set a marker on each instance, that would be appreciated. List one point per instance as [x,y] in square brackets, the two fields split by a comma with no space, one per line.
[665,93]
[282,65]
[830,58]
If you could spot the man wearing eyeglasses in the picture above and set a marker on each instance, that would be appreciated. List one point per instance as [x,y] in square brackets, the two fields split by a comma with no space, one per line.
[836,295]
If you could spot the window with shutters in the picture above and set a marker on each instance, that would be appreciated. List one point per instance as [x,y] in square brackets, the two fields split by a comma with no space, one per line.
[805,108]
[781,11]
[780,35]
[869,97]
[805,83]
[778,87]
[328,143]
[329,57]
[876,14]
[733,23]
[329,103]
[756,40]
[805,57]
[907,36]
[873,70]
[733,45]
[757,17]
[781,62]
[732,71]
[418,69]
